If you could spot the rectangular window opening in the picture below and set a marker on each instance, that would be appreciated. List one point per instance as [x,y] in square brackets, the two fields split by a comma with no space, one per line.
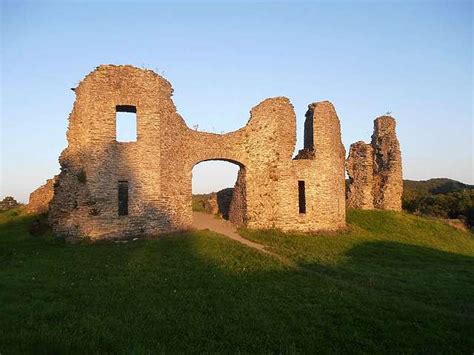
[126,123]
[123,198]
[301,197]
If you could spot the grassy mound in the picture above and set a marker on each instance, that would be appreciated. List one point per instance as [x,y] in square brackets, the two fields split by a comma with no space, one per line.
[393,283]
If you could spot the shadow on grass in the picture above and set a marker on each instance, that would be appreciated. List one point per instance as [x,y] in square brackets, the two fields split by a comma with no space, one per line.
[203,293]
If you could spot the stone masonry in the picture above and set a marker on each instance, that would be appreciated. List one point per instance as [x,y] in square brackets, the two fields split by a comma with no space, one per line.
[375,169]
[360,168]
[154,172]
[40,198]
[238,206]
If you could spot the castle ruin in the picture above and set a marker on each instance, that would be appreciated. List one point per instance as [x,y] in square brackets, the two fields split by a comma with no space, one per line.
[112,189]
[375,169]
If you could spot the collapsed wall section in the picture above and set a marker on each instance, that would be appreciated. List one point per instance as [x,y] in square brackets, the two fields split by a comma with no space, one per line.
[375,169]
[40,198]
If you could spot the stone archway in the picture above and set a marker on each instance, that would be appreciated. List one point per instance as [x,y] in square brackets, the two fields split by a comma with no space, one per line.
[231,205]
[153,173]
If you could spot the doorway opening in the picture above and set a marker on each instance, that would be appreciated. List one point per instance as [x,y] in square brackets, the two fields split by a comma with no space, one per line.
[218,188]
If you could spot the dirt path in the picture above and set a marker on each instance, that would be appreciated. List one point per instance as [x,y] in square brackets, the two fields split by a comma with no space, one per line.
[208,221]
[203,220]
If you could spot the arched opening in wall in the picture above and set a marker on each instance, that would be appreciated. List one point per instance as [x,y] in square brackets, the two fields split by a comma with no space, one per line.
[219,189]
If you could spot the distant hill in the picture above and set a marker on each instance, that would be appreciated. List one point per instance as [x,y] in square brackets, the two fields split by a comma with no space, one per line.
[444,198]
[412,188]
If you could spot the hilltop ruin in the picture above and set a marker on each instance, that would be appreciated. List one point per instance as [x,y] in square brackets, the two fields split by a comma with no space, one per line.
[112,189]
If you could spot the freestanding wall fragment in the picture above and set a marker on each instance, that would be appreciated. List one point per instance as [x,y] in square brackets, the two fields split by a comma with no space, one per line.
[375,170]
[388,179]
[111,189]
[360,169]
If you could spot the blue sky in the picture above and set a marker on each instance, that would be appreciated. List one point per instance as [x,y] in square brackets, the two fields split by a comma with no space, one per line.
[411,58]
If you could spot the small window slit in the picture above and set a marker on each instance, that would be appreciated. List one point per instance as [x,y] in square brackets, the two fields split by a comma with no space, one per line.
[301,197]
[123,198]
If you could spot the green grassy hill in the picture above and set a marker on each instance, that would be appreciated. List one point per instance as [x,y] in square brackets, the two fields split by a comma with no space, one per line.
[392,283]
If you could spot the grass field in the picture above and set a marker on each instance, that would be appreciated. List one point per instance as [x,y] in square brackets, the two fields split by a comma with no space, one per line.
[393,283]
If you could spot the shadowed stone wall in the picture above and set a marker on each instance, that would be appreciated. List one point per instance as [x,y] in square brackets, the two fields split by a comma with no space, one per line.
[238,204]
[375,169]
[158,166]
[41,198]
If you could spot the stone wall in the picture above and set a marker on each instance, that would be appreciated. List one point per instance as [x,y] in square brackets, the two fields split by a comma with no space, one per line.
[360,169]
[41,198]
[375,169]
[388,177]
[238,204]
[211,205]
[216,203]
[224,198]
[322,171]
[158,166]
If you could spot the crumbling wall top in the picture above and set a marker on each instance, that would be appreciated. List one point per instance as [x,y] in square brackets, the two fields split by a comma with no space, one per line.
[110,71]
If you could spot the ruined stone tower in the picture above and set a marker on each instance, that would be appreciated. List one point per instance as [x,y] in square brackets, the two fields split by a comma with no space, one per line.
[112,189]
[375,169]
